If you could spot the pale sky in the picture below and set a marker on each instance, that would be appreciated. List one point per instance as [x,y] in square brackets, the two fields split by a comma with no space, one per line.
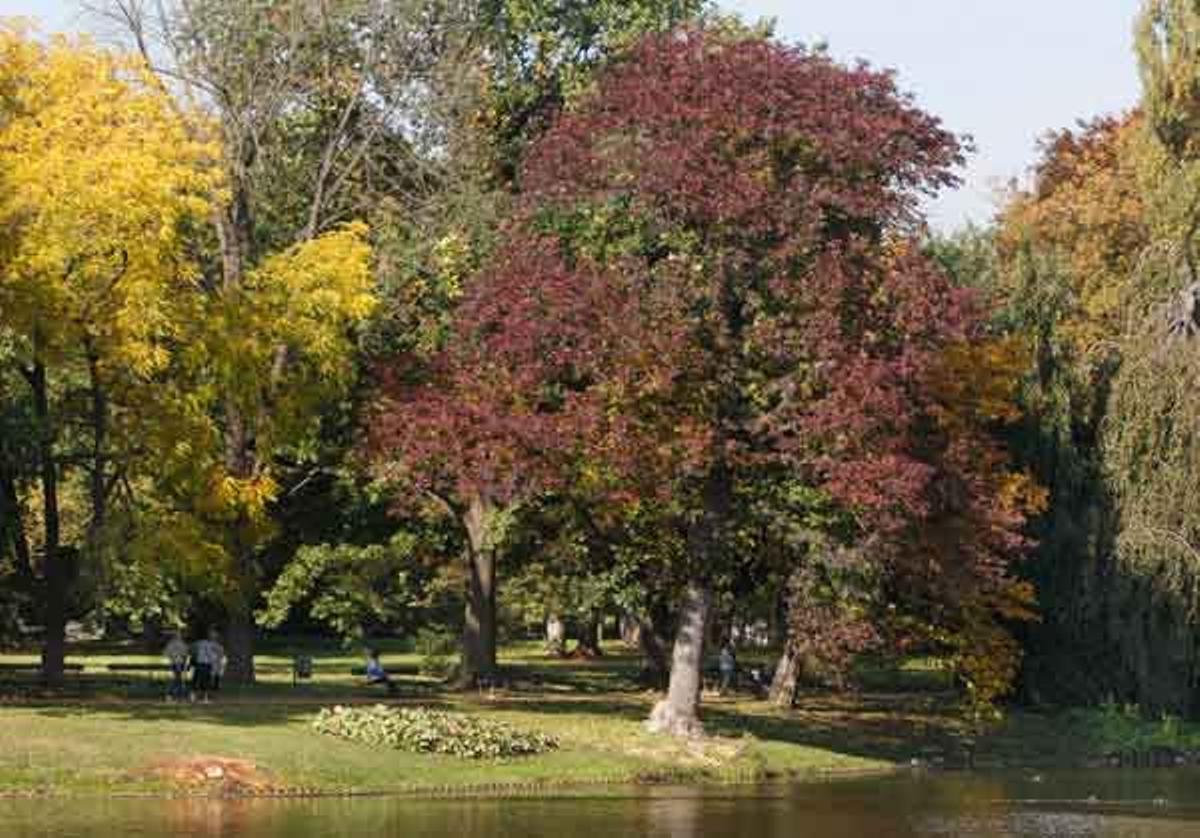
[1004,72]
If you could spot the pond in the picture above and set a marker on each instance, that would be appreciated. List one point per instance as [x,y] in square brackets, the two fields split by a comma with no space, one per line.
[1092,804]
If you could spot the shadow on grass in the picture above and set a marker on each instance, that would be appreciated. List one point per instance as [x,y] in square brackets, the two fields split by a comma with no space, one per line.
[869,725]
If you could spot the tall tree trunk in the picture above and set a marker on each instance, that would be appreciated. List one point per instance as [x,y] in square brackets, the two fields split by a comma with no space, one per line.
[241,463]
[479,627]
[55,573]
[235,225]
[679,713]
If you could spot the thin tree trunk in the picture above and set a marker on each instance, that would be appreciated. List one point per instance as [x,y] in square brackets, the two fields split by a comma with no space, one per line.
[54,569]
[679,713]
[479,627]
[98,483]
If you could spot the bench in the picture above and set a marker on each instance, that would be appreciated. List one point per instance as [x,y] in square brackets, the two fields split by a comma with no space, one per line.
[37,667]
[139,667]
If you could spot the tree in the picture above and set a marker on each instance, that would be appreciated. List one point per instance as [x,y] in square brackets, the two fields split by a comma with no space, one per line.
[318,110]
[102,180]
[709,276]
[534,58]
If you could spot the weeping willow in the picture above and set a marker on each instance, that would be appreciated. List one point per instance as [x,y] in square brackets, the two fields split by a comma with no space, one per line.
[1151,456]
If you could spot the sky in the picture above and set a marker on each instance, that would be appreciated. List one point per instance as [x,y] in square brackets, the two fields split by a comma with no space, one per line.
[1003,71]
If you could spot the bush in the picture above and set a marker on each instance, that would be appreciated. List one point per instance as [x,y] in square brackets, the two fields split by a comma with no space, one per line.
[438,652]
[427,731]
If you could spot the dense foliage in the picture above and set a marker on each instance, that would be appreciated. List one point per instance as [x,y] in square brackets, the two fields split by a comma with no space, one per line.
[466,320]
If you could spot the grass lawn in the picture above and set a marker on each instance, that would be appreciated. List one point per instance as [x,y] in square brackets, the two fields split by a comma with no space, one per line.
[111,732]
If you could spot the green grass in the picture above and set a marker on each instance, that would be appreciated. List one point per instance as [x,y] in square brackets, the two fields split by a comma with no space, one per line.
[105,734]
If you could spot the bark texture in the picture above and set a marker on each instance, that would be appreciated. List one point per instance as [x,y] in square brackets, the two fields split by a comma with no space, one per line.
[679,713]
[787,677]
[479,626]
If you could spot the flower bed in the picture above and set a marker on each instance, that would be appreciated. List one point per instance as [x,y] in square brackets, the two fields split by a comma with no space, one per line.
[427,731]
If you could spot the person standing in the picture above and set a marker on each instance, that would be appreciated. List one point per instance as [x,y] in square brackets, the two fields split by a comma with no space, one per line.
[204,661]
[220,659]
[727,663]
[176,654]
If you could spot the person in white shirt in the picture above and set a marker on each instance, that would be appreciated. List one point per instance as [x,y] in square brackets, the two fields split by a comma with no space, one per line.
[176,654]
[206,657]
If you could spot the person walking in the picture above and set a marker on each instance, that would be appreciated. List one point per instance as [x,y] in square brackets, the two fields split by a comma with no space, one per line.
[177,656]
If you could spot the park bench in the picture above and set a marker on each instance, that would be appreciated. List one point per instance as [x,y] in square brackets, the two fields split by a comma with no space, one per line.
[152,668]
[37,667]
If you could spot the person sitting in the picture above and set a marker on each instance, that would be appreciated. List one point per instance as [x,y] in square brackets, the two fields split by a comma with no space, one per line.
[376,674]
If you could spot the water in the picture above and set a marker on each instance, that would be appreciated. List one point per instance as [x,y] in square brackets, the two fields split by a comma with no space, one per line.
[1093,804]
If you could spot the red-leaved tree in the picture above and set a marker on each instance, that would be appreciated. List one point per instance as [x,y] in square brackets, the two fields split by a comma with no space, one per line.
[709,274]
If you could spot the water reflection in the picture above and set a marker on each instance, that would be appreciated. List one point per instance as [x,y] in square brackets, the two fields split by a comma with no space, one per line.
[1070,805]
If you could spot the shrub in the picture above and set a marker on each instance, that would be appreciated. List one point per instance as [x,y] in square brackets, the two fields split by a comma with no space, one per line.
[426,731]
[437,650]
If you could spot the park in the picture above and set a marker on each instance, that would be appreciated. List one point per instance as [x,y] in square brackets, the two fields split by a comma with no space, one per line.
[518,416]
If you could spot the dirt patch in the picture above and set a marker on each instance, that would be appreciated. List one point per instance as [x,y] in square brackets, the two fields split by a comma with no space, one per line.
[212,775]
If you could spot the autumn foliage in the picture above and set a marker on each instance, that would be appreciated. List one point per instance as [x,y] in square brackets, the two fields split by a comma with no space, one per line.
[713,272]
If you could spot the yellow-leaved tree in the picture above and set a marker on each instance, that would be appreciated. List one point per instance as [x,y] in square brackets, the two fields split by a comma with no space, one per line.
[160,381]
[101,182]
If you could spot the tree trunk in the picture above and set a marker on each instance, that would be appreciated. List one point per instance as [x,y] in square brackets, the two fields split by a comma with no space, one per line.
[653,644]
[787,676]
[588,644]
[239,646]
[479,627]
[98,484]
[679,713]
[556,636]
[14,529]
[630,629]
[54,569]
[54,649]
[235,225]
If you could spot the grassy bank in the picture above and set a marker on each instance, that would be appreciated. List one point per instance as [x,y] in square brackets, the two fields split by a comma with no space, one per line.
[112,733]
[109,732]
[112,749]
